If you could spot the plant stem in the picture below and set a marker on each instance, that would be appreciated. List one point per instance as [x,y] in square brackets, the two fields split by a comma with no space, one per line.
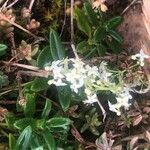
[72,25]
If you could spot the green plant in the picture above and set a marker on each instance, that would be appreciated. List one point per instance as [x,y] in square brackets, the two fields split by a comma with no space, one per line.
[3,48]
[3,79]
[40,131]
[37,133]
[101,33]
[92,122]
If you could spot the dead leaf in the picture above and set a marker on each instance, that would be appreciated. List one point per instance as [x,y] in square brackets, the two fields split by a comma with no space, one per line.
[136,120]
[118,147]
[133,142]
[148,135]
[146,110]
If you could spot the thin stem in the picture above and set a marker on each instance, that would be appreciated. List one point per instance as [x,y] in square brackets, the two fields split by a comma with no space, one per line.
[22,66]
[4,5]
[4,133]
[12,89]
[3,17]
[102,109]
[13,3]
[72,25]
[31,5]
[64,22]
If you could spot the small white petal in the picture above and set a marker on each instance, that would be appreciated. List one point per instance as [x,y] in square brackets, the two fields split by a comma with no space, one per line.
[47,68]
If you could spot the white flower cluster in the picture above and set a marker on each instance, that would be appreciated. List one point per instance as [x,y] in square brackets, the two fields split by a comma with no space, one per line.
[90,79]
[140,57]
[123,98]
[78,74]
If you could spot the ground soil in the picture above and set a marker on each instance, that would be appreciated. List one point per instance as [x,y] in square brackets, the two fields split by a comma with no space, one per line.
[132,29]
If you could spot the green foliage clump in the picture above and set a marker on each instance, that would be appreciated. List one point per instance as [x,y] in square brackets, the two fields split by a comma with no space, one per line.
[3,79]
[101,33]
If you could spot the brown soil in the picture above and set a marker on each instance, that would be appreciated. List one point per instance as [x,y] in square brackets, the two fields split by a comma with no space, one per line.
[132,29]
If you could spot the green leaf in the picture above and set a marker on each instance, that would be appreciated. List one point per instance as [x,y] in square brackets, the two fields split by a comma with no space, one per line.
[30,105]
[39,148]
[91,15]
[83,47]
[115,46]
[64,94]
[100,34]
[48,137]
[46,109]
[56,47]
[2,49]
[40,123]
[39,84]
[44,57]
[24,139]
[36,142]
[23,123]
[12,142]
[116,36]
[58,122]
[113,23]
[10,119]
[91,53]
[82,22]
[101,49]
[3,79]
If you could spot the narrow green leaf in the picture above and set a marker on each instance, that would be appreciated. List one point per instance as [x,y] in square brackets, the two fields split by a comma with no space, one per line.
[39,84]
[56,47]
[24,139]
[113,23]
[46,109]
[48,137]
[23,123]
[10,119]
[83,47]
[58,122]
[36,142]
[116,36]
[82,22]
[91,15]
[115,46]
[101,49]
[29,107]
[2,49]
[64,95]
[12,142]
[99,34]
[39,148]
[44,57]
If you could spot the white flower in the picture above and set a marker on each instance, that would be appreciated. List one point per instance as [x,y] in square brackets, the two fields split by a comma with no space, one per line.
[47,68]
[88,92]
[92,70]
[57,73]
[76,84]
[58,82]
[91,99]
[104,73]
[114,108]
[78,64]
[55,64]
[140,57]
[122,98]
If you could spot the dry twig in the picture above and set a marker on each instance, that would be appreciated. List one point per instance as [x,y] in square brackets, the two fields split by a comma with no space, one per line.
[3,17]
[72,25]
[127,8]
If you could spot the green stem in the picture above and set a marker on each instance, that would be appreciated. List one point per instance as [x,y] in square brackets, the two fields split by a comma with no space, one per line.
[4,133]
